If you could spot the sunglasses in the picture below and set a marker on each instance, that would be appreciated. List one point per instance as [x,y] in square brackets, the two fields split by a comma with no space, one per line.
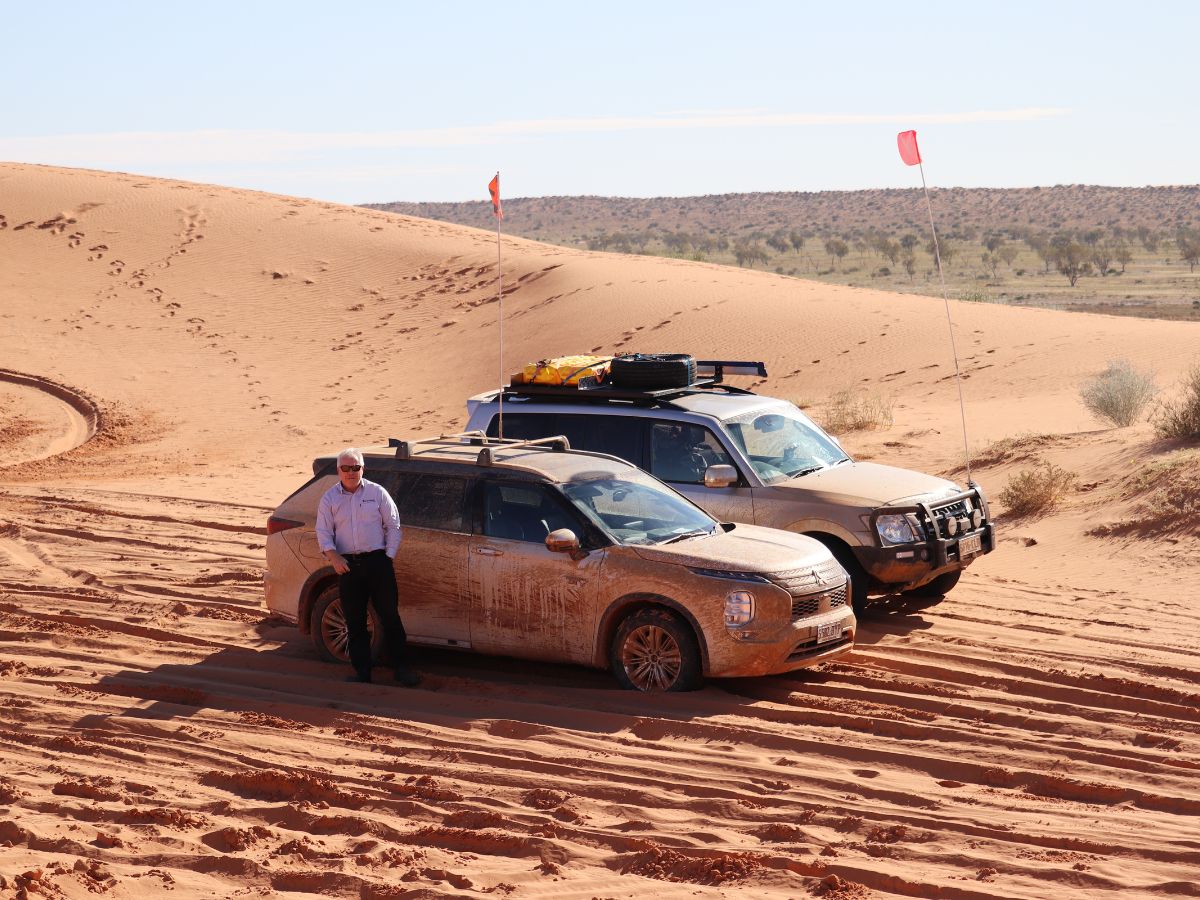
[349,468]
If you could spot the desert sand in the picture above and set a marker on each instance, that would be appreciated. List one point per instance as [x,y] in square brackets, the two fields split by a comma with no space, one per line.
[174,355]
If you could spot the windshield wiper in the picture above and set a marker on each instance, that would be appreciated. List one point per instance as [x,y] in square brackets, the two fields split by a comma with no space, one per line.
[807,471]
[697,532]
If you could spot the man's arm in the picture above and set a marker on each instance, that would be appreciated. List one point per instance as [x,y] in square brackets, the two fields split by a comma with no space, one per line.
[392,532]
[325,535]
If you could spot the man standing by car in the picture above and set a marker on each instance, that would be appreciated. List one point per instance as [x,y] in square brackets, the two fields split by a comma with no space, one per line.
[358,531]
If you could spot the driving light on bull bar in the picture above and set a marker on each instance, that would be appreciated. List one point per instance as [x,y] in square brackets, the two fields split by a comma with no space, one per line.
[895,529]
[739,609]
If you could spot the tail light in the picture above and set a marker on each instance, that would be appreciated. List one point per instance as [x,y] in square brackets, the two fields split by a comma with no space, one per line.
[277,524]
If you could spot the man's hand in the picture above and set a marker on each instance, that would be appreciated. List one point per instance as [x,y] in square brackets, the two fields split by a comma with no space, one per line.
[338,562]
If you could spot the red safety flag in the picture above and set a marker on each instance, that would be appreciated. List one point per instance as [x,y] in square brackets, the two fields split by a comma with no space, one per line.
[907,142]
[494,190]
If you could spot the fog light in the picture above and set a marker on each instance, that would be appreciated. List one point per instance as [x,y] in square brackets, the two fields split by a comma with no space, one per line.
[739,609]
[977,518]
[952,526]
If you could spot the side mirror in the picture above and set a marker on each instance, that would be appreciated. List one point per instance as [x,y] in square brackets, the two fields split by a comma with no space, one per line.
[720,476]
[564,540]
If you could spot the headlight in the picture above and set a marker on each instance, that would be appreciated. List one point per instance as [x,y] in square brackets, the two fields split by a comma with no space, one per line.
[739,609]
[895,529]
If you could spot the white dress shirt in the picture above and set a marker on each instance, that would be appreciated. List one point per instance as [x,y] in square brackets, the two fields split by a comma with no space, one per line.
[358,522]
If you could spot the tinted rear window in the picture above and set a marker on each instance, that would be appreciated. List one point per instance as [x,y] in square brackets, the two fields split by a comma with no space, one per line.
[620,436]
[431,501]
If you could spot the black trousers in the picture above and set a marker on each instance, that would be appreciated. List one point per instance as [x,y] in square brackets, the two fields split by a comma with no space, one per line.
[371,579]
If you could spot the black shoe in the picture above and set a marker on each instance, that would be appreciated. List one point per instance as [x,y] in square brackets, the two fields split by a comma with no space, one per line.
[407,677]
[358,679]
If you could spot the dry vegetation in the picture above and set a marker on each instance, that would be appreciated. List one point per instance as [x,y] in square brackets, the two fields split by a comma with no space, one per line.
[850,410]
[1178,418]
[1120,394]
[1037,489]
[1168,496]
[1122,251]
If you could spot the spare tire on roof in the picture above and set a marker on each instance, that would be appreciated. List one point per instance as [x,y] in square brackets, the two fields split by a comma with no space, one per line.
[652,371]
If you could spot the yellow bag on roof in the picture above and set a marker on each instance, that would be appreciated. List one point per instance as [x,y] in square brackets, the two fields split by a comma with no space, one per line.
[564,370]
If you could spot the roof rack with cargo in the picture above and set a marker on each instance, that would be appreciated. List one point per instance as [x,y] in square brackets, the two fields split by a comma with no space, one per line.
[710,375]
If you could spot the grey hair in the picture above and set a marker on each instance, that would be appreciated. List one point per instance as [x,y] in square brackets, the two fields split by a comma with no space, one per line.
[351,453]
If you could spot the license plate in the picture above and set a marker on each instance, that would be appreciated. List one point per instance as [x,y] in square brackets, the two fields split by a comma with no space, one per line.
[830,632]
[970,545]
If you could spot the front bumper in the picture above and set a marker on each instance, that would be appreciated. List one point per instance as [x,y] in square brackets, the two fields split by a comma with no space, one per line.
[795,646]
[909,565]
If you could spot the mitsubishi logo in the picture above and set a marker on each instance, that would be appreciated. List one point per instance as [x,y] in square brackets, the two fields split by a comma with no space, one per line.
[816,574]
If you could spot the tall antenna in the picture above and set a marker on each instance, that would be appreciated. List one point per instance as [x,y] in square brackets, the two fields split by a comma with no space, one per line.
[498,212]
[909,152]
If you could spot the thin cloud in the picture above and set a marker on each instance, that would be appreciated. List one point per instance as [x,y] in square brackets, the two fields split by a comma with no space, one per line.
[216,147]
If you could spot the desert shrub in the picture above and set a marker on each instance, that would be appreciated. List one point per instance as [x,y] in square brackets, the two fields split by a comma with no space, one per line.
[1037,489]
[852,411]
[1179,418]
[1168,495]
[1119,394]
[975,296]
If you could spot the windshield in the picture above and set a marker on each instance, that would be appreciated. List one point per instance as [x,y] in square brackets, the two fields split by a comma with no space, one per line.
[781,443]
[638,512]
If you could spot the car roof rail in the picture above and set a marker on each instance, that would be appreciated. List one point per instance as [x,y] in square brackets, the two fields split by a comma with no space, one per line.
[487,455]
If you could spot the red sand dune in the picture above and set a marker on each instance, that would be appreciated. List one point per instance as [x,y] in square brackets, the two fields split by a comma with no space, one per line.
[175,354]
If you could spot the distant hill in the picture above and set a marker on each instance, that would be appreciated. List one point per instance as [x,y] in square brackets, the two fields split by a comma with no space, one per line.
[964,212]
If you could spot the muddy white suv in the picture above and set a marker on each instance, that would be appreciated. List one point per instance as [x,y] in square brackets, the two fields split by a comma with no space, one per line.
[748,458]
[528,549]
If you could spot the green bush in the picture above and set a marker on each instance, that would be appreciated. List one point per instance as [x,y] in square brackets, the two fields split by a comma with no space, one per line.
[1119,394]
[1179,419]
[1037,489]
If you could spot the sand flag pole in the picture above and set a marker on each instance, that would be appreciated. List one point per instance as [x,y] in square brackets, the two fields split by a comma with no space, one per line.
[906,141]
[498,212]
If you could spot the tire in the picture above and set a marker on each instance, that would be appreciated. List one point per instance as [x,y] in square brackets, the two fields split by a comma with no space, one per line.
[858,579]
[329,628]
[653,650]
[650,371]
[939,587]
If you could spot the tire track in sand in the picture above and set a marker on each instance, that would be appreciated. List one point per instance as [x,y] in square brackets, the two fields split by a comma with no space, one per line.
[79,421]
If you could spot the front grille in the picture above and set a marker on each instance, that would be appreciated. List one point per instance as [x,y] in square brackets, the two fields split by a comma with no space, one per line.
[960,510]
[805,586]
[804,581]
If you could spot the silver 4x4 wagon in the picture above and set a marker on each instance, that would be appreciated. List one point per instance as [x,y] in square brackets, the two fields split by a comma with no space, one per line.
[529,549]
[748,458]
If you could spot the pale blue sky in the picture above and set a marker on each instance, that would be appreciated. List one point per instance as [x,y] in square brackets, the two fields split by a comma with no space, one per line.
[375,101]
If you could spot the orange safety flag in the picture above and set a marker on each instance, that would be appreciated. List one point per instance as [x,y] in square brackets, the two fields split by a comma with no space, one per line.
[494,190]
[907,142]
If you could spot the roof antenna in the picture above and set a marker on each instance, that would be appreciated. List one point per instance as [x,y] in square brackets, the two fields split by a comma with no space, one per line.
[498,212]
[906,141]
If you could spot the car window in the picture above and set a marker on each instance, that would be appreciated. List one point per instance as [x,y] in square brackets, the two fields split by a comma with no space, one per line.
[633,511]
[523,426]
[524,512]
[620,436]
[681,452]
[431,501]
[783,443]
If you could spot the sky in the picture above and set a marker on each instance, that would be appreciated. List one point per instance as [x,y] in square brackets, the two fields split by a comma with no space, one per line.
[365,102]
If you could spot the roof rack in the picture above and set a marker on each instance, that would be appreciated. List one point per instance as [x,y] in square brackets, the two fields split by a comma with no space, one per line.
[604,393]
[487,455]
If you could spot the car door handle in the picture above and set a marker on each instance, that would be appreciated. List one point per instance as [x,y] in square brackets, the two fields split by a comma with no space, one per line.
[489,551]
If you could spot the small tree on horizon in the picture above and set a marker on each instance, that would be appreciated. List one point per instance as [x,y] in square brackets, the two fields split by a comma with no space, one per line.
[1071,260]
